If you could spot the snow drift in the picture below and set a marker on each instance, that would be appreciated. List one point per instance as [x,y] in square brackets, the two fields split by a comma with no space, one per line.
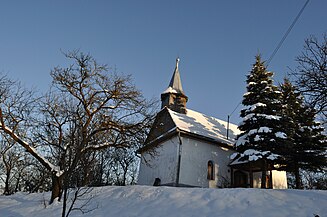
[144,201]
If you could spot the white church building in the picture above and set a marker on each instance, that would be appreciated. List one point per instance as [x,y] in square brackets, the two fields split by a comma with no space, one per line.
[190,149]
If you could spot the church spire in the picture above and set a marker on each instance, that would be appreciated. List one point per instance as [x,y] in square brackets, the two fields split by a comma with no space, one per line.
[175,82]
[173,97]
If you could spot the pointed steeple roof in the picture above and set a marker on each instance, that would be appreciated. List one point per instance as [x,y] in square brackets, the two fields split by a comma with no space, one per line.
[175,85]
[175,81]
[174,97]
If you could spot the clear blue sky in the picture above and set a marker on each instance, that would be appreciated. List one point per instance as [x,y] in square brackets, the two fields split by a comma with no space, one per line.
[216,41]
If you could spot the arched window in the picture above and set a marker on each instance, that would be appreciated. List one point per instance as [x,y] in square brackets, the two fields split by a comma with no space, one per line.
[211,174]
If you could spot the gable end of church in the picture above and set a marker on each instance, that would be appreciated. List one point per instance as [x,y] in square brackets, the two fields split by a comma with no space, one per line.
[162,127]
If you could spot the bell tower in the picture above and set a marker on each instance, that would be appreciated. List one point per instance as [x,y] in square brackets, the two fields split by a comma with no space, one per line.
[174,97]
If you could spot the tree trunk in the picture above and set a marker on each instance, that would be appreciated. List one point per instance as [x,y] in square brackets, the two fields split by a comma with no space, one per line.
[56,188]
[64,204]
[7,189]
[264,174]
[298,183]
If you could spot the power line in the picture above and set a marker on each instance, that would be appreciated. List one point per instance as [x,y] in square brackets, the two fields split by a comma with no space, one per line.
[274,53]
[235,108]
[228,117]
[281,42]
[287,32]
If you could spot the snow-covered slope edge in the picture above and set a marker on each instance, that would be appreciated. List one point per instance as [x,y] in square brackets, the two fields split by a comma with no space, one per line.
[144,201]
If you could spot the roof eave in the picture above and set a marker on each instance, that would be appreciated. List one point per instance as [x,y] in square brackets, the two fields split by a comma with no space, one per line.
[175,131]
[208,139]
[158,140]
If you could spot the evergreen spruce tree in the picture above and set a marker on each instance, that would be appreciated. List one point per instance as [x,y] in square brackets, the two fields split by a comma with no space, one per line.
[262,133]
[292,102]
[310,142]
[306,145]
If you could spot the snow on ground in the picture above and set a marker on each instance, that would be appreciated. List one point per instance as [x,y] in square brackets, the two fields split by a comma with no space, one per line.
[145,201]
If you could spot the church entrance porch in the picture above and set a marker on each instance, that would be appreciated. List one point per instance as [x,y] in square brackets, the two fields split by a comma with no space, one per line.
[249,175]
[240,179]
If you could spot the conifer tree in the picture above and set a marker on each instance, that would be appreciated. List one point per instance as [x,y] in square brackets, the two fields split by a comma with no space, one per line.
[306,145]
[262,136]
[291,100]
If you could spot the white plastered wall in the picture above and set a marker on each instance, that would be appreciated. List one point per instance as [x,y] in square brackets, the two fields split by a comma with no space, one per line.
[163,164]
[279,179]
[194,163]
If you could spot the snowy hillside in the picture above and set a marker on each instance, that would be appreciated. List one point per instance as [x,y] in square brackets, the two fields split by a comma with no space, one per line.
[145,201]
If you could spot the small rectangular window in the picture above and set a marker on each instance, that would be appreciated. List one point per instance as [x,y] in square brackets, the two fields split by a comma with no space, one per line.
[211,174]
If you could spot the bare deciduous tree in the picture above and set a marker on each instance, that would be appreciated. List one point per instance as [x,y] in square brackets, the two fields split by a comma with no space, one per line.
[15,112]
[89,108]
[311,73]
[78,194]
[9,159]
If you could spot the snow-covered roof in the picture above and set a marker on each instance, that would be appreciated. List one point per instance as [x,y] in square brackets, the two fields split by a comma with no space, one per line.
[203,125]
[169,90]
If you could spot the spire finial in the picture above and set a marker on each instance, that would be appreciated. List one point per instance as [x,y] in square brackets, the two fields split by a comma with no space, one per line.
[177,62]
